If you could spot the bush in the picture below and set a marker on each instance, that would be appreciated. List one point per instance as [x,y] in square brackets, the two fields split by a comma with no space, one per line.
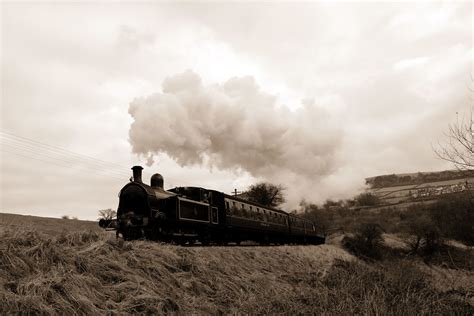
[423,235]
[367,199]
[323,218]
[366,242]
[454,217]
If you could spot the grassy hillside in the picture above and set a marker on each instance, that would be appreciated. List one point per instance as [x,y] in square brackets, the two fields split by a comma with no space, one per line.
[46,225]
[89,272]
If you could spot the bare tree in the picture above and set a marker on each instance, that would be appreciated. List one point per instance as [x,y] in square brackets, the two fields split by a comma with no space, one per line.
[459,146]
[107,214]
[266,194]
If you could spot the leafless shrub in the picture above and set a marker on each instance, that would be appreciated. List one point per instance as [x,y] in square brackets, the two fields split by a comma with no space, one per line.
[423,235]
[366,242]
[107,214]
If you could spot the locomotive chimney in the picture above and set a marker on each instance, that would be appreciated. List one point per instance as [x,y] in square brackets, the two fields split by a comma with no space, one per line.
[137,173]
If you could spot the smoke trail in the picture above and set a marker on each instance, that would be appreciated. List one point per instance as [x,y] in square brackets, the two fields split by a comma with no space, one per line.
[233,125]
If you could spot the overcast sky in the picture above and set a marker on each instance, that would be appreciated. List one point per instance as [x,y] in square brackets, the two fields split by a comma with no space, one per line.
[315,96]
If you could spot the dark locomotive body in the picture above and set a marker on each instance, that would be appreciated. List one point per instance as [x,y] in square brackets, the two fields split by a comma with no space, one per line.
[189,214]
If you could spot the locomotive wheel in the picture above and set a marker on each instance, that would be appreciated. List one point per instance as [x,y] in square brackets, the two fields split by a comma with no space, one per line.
[205,241]
[223,242]
[205,238]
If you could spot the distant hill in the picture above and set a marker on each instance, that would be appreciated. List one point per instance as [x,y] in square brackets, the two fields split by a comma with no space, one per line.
[399,188]
[402,179]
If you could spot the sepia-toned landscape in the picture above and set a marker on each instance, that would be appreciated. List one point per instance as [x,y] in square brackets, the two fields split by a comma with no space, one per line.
[63,266]
[237,158]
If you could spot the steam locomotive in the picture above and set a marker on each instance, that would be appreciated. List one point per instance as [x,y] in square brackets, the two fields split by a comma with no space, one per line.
[193,214]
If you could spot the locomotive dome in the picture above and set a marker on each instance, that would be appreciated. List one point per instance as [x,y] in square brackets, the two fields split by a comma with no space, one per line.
[157,181]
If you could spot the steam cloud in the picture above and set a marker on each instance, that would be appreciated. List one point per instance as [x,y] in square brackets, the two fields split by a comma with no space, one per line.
[234,125]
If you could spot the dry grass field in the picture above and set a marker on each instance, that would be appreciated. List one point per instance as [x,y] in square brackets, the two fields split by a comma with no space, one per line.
[50,266]
[45,225]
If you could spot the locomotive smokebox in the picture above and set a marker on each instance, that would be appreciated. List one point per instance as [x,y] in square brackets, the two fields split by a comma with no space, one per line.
[137,173]
[157,181]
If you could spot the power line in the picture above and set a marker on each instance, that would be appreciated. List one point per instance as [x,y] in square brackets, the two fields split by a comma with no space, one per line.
[48,161]
[35,151]
[26,147]
[58,149]
[64,163]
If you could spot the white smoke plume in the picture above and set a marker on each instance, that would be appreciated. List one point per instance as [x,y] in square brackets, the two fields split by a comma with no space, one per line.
[233,126]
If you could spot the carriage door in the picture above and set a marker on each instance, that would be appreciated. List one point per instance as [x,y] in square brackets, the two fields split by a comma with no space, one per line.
[214,215]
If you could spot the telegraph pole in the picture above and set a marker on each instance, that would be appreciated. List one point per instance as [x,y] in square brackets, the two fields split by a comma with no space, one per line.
[235,192]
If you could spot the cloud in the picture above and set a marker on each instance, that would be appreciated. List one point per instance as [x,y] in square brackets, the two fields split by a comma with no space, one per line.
[234,125]
[410,63]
